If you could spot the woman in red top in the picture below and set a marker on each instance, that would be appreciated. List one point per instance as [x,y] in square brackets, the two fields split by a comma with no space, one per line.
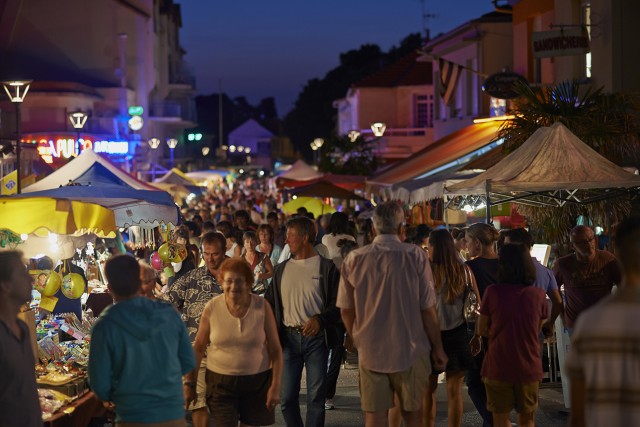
[511,316]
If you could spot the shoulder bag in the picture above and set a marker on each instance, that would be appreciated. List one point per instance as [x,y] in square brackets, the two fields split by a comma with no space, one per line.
[471,309]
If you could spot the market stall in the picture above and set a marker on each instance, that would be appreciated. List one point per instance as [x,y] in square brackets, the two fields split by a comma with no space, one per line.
[77,225]
[551,168]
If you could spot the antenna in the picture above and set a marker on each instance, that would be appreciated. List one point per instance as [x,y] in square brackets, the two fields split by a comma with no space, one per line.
[425,19]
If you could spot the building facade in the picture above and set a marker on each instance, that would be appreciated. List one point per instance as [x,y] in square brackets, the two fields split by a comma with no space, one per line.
[400,96]
[119,62]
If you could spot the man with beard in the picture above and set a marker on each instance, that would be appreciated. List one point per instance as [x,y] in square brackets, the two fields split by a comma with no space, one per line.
[189,295]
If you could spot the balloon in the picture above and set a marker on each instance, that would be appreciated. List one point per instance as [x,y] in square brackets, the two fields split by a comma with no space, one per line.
[168,271]
[165,252]
[47,283]
[156,262]
[73,286]
[180,253]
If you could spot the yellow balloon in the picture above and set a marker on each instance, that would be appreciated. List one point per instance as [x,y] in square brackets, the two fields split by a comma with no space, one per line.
[47,282]
[72,286]
[165,253]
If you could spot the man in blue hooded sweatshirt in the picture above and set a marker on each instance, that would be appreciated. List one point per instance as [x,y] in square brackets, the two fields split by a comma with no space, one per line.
[139,352]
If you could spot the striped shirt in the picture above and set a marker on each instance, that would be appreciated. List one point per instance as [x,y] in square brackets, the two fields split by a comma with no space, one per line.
[605,353]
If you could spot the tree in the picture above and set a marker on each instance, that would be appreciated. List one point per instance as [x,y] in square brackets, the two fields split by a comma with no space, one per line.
[340,156]
[608,123]
[313,115]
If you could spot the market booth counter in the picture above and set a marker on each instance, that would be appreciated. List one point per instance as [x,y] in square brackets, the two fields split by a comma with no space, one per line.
[61,375]
[78,413]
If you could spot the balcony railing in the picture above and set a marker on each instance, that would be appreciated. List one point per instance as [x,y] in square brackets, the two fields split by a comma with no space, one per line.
[180,73]
[184,110]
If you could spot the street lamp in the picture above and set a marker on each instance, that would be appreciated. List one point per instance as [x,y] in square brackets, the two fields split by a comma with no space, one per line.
[205,151]
[172,143]
[315,146]
[17,90]
[78,119]
[378,128]
[353,135]
[154,143]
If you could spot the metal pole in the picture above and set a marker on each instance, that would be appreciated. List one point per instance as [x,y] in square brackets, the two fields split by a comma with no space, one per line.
[171,156]
[488,202]
[18,138]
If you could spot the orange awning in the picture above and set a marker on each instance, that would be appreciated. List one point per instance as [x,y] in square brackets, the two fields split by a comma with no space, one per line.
[439,153]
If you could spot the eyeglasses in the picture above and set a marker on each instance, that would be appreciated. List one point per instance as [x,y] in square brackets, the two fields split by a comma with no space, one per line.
[237,282]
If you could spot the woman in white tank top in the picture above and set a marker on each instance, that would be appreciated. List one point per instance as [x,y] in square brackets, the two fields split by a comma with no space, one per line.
[244,358]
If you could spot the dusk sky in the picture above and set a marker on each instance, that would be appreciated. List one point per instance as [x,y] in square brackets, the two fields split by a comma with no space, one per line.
[261,48]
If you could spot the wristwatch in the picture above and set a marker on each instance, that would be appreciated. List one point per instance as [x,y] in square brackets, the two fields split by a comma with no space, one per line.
[189,384]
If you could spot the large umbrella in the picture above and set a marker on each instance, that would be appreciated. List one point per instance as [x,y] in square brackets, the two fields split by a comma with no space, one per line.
[325,189]
[315,206]
[41,215]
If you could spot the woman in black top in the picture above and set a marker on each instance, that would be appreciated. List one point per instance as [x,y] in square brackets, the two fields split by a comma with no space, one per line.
[481,244]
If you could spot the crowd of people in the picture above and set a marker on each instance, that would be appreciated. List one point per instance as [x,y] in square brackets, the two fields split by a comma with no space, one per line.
[262,298]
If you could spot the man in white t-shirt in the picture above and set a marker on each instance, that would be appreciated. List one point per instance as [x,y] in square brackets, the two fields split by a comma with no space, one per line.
[303,296]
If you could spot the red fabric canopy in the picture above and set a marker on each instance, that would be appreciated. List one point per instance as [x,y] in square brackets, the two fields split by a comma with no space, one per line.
[348,182]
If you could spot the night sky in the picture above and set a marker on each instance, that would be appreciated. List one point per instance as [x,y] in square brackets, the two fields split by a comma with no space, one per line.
[261,48]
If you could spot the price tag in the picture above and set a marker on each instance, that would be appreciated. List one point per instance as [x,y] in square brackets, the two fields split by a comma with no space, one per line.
[48,303]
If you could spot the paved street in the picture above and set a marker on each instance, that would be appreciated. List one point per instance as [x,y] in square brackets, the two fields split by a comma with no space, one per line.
[347,413]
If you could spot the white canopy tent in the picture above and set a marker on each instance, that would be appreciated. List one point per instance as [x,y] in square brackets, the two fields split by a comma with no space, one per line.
[551,168]
[300,171]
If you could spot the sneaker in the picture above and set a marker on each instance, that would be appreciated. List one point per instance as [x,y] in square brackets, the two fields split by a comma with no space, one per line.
[328,404]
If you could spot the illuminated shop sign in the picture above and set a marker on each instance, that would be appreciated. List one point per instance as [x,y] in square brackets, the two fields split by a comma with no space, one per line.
[56,148]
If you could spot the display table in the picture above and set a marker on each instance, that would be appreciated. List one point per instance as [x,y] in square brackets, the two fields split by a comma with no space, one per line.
[98,301]
[80,412]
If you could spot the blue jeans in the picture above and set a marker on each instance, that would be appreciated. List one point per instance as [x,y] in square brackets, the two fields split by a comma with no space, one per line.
[299,352]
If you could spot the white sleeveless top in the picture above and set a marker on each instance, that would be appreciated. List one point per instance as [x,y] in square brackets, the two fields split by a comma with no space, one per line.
[238,345]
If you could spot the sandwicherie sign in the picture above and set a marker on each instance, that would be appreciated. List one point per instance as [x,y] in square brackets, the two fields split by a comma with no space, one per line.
[565,42]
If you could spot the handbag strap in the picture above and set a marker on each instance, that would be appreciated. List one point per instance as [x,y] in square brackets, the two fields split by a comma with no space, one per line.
[467,278]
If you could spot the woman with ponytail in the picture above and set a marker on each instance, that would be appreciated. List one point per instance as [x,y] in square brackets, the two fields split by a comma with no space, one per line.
[451,277]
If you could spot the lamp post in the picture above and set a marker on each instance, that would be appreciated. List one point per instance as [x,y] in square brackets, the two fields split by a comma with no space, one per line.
[378,129]
[17,90]
[154,143]
[78,119]
[316,145]
[172,143]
